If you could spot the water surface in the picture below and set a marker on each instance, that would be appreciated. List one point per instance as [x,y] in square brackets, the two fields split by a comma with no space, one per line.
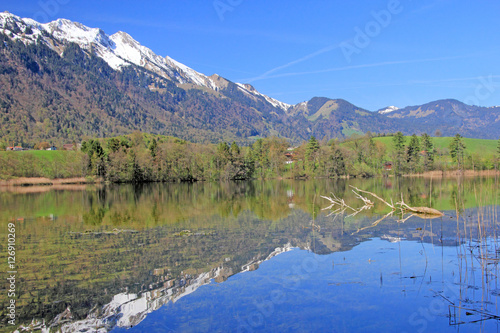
[254,256]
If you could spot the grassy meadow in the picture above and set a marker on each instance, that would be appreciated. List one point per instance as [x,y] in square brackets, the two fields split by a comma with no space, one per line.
[486,148]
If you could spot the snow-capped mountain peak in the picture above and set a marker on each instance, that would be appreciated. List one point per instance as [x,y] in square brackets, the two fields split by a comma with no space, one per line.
[118,50]
[388,109]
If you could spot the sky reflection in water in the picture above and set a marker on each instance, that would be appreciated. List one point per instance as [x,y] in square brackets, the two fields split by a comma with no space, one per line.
[376,286]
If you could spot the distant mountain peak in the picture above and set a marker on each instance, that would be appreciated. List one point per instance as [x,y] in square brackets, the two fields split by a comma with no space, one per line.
[249,87]
[388,109]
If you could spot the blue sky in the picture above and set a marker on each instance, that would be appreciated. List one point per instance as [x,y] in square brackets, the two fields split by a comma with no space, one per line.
[373,53]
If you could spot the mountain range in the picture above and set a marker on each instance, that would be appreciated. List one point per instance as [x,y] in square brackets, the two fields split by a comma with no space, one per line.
[65,81]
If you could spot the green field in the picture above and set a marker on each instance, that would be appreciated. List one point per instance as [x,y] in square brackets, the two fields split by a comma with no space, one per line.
[40,163]
[47,155]
[473,146]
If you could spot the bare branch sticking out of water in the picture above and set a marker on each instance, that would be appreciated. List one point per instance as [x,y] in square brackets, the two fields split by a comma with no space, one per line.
[422,212]
[419,210]
[337,201]
[364,199]
[357,211]
[374,195]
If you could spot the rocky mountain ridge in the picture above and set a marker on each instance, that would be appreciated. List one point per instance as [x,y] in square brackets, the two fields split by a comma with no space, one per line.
[103,85]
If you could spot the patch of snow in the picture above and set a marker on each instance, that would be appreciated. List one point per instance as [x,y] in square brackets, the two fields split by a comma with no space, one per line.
[279,250]
[191,74]
[126,47]
[392,239]
[388,109]
[201,280]
[244,90]
[69,31]
[270,100]
[113,61]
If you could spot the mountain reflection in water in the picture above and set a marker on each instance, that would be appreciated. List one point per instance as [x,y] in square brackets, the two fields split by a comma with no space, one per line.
[94,259]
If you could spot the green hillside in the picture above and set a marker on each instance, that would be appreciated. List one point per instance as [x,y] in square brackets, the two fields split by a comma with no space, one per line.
[485,148]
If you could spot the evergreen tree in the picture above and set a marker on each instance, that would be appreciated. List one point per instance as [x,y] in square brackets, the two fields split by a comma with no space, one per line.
[399,150]
[498,148]
[413,152]
[235,151]
[337,165]
[457,150]
[497,158]
[258,156]
[113,145]
[428,147]
[153,148]
[312,146]
[311,154]
[96,157]
[371,152]
[134,169]
[224,152]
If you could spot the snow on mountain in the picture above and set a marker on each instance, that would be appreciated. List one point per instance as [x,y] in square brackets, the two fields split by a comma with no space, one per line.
[249,89]
[68,31]
[388,109]
[118,50]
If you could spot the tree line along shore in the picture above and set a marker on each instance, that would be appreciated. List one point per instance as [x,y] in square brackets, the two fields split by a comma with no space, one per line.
[140,157]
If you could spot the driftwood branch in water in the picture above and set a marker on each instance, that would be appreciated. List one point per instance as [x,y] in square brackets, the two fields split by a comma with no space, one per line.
[419,210]
[336,201]
[343,206]
[364,199]
[424,212]
[376,196]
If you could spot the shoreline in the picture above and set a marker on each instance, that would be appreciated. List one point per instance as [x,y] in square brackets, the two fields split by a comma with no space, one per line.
[455,173]
[42,181]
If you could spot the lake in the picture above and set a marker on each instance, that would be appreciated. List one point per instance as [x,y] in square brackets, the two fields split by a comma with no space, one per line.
[262,256]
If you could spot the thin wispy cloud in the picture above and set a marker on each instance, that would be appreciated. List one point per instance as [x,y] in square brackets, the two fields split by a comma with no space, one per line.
[291,63]
[336,69]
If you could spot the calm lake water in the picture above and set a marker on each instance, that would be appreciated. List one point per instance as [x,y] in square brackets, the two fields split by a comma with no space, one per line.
[252,257]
